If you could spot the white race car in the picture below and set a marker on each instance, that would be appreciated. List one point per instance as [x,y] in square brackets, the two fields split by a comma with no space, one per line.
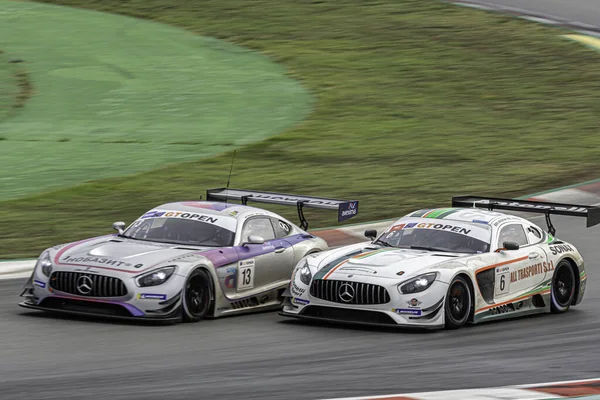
[446,267]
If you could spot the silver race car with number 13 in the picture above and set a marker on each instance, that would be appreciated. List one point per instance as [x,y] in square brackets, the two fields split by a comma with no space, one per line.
[185,260]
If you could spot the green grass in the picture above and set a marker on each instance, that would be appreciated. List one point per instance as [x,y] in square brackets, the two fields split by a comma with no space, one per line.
[116,95]
[416,101]
[9,87]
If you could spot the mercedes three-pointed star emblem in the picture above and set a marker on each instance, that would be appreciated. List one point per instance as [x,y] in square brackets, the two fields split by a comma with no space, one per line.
[84,284]
[346,292]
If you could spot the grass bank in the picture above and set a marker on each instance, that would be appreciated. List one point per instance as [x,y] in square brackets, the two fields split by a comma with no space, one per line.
[416,101]
[116,95]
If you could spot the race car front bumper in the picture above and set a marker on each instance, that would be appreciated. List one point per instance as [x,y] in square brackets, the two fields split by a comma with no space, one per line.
[39,296]
[425,310]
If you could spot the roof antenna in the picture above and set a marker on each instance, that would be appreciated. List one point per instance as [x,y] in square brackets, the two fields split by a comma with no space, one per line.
[229,178]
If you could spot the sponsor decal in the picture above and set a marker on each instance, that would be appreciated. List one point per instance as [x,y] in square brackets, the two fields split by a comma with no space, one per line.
[347,210]
[506,308]
[560,248]
[531,270]
[234,213]
[406,311]
[432,225]
[296,290]
[504,219]
[414,303]
[534,206]
[501,270]
[230,281]
[94,260]
[300,301]
[180,214]
[39,283]
[152,296]
[480,221]
[284,226]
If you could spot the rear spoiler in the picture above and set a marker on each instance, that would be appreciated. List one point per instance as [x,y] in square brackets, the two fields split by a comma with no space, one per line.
[346,208]
[591,213]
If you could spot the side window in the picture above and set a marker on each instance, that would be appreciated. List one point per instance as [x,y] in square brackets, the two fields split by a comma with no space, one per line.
[512,233]
[534,234]
[282,229]
[260,227]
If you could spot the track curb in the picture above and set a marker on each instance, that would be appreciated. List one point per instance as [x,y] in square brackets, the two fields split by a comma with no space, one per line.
[588,388]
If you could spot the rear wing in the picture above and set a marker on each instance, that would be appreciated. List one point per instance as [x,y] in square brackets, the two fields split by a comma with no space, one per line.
[346,208]
[590,213]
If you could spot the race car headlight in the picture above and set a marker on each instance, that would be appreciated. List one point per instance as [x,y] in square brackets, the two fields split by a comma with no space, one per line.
[44,264]
[417,284]
[305,274]
[156,277]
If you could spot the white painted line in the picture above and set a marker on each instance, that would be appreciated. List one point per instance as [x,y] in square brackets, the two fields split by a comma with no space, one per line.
[540,20]
[501,393]
[535,385]
[478,6]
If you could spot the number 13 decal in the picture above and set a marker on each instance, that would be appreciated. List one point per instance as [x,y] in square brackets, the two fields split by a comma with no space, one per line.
[245,274]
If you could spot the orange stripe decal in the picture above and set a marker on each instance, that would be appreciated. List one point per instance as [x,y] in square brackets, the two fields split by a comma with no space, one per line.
[334,268]
[501,264]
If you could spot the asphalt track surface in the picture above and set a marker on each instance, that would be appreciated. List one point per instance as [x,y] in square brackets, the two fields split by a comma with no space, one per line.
[585,11]
[265,356]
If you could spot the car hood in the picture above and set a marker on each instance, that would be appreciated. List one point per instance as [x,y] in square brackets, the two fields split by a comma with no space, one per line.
[120,254]
[381,263]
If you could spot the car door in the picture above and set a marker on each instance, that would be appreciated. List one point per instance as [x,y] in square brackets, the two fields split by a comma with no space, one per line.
[260,264]
[287,253]
[517,271]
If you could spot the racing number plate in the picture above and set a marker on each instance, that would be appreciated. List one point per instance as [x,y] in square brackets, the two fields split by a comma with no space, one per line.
[502,284]
[245,278]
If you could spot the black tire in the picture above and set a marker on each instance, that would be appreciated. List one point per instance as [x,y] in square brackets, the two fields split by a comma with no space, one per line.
[458,303]
[563,287]
[197,295]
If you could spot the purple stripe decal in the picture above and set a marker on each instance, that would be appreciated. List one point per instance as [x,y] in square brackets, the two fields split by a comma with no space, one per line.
[230,255]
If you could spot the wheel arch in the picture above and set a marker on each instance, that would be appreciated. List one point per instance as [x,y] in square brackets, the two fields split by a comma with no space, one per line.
[469,281]
[576,272]
[211,273]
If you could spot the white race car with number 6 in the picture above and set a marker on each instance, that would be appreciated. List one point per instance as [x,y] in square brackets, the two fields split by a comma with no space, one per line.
[446,267]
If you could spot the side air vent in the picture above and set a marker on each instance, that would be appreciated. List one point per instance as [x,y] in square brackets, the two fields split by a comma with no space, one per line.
[485,280]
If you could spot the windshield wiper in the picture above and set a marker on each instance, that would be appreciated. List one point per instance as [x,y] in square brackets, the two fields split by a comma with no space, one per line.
[383,243]
[431,248]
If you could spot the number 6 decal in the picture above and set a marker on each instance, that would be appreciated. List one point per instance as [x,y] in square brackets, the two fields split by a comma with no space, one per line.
[502,283]
[245,275]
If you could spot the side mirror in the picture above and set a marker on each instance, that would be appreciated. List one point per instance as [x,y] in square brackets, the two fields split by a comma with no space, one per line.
[254,239]
[119,227]
[371,234]
[511,245]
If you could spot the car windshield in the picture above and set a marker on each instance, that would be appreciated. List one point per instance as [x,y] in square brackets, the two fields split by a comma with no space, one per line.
[185,231]
[450,236]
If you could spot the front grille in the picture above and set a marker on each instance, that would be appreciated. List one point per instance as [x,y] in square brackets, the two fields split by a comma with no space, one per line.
[87,285]
[346,315]
[346,292]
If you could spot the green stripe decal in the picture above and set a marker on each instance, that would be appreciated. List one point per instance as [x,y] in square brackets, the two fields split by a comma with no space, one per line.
[419,213]
[447,212]
[323,271]
[372,253]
